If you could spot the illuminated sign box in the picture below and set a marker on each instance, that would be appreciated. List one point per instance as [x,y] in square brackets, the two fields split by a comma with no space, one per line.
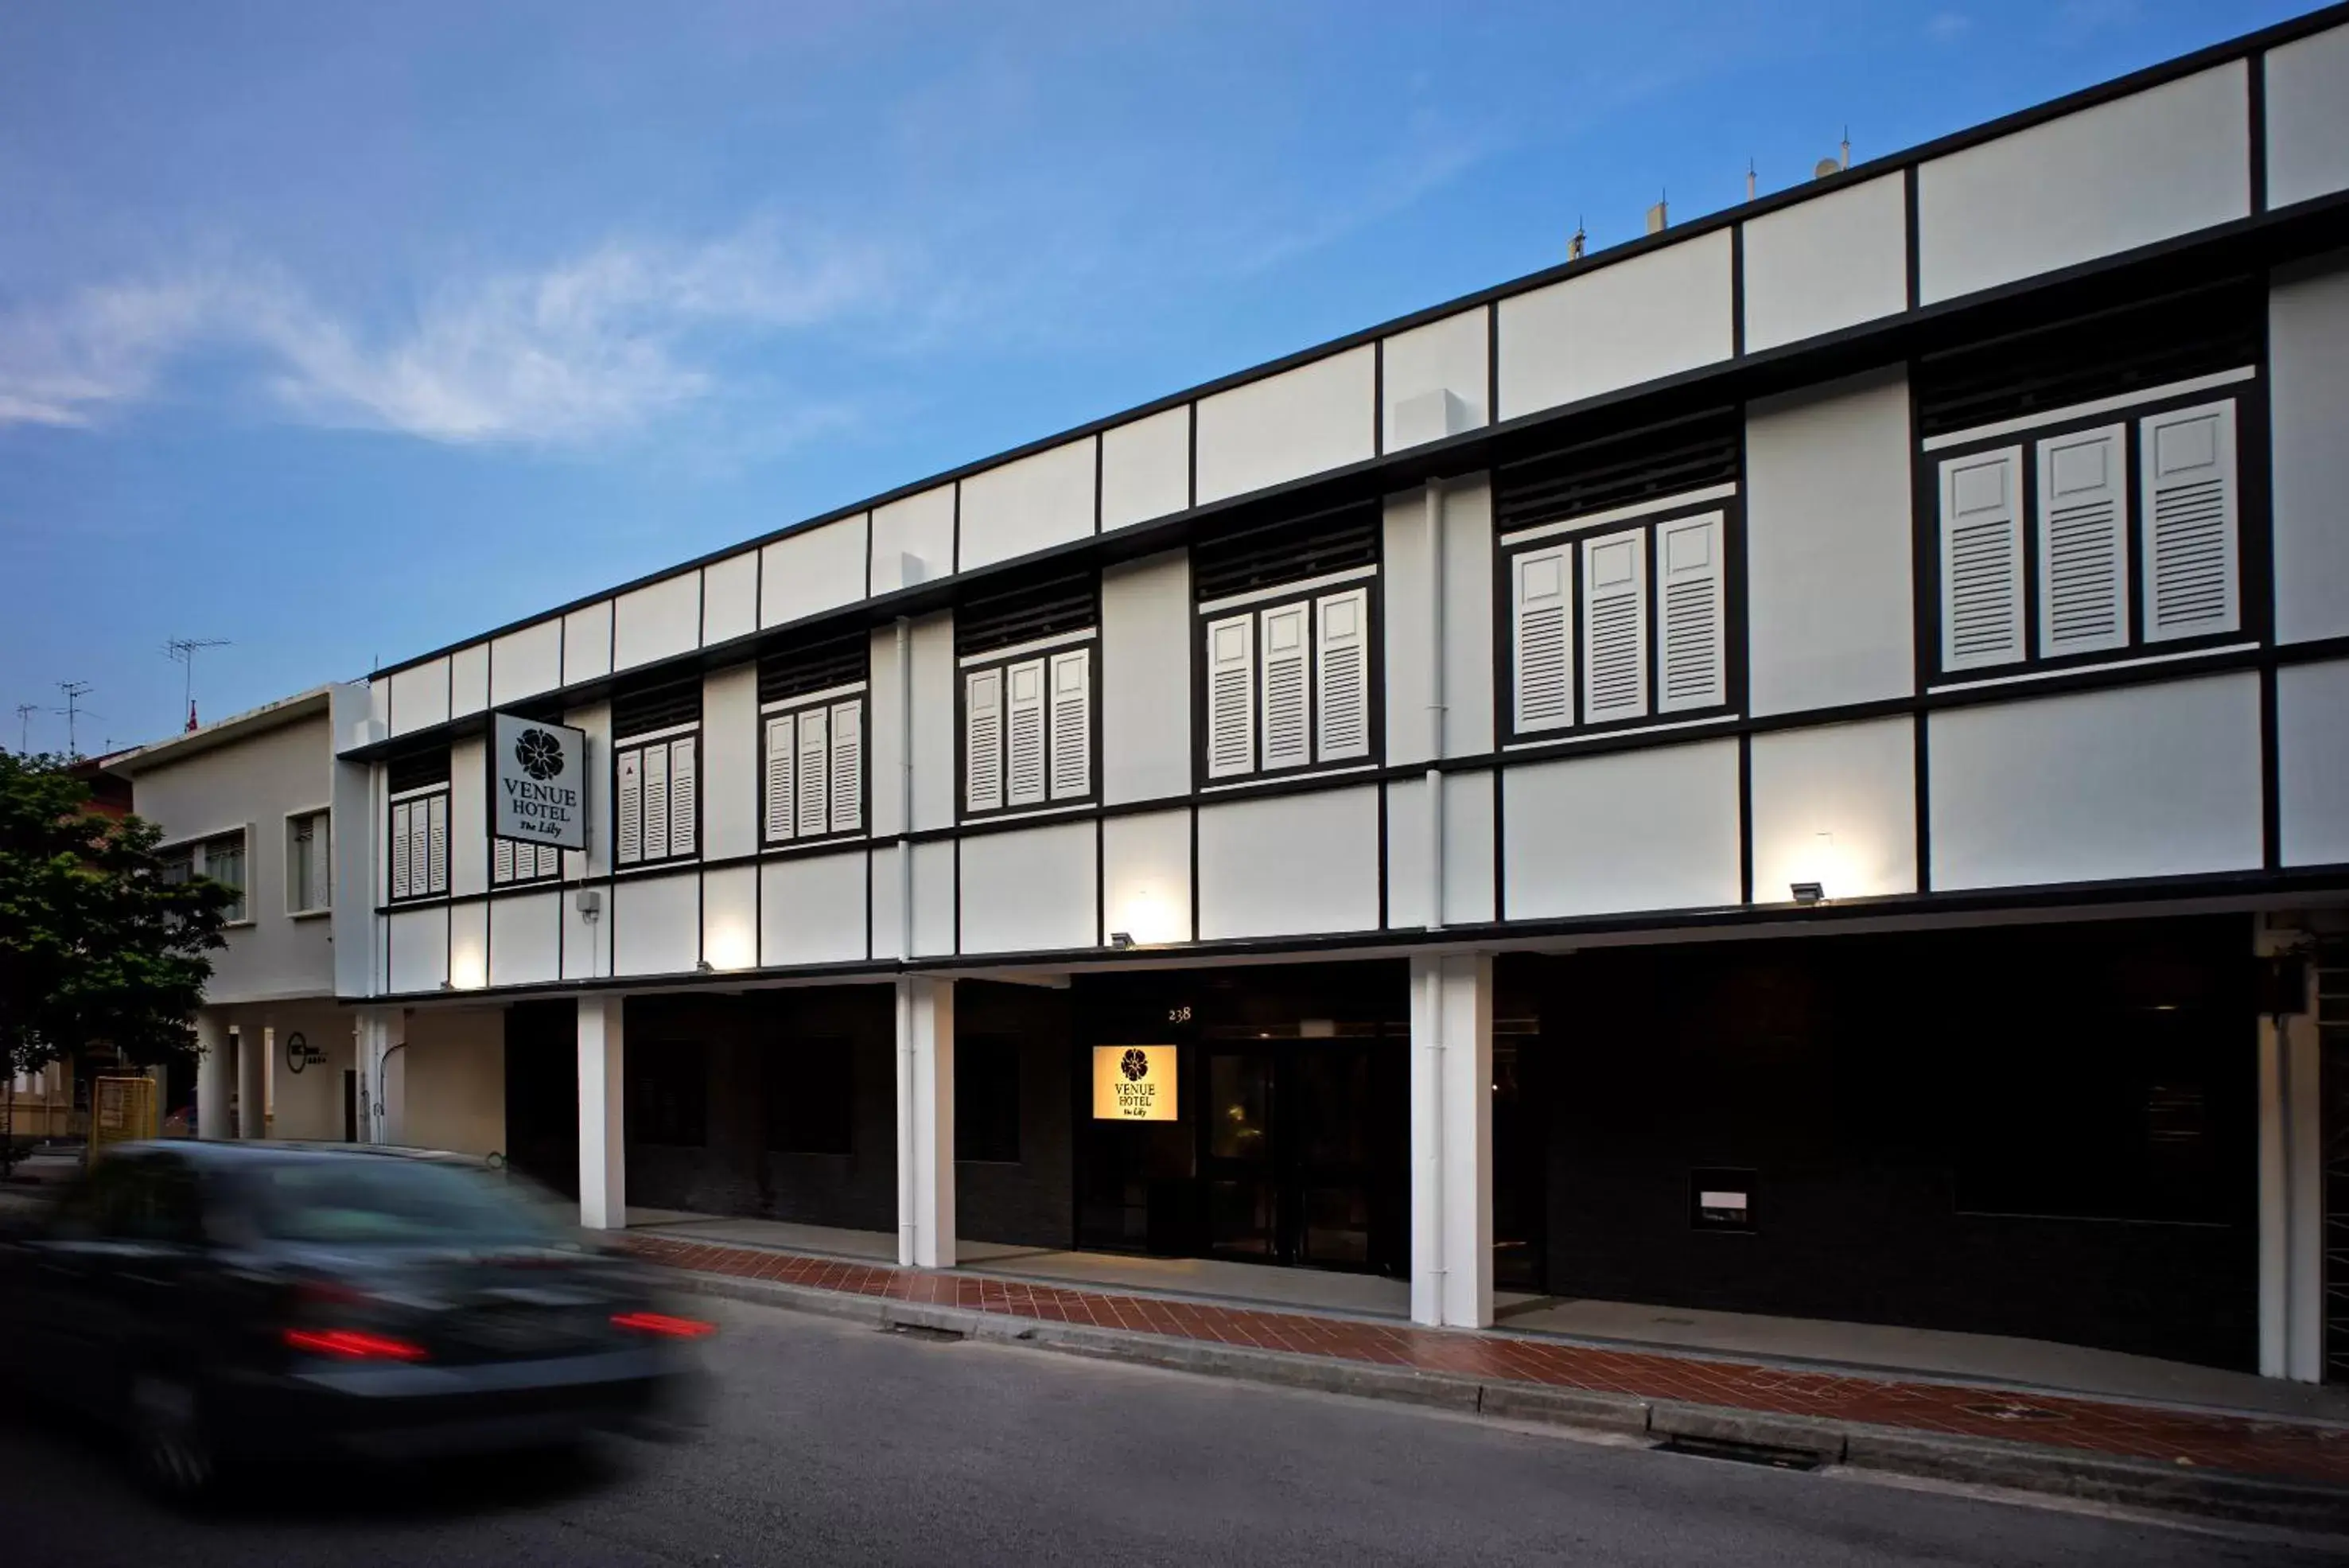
[1133,1084]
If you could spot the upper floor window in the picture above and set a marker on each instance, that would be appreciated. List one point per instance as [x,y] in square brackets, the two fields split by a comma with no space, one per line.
[812,719]
[655,775]
[1027,667]
[1287,633]
[419,849]
[1615,578]
[221,859]
[512,865]
[309,862]
[2084,488]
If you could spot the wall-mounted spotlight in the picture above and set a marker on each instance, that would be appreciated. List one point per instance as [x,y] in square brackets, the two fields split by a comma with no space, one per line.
[1807,893]
[703,966]
[1121,940]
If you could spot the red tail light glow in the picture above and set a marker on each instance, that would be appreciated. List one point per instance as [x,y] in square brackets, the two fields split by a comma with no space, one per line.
[353,1345]
[663,1325]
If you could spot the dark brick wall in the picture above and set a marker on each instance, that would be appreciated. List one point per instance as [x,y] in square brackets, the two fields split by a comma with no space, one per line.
[1030,1202]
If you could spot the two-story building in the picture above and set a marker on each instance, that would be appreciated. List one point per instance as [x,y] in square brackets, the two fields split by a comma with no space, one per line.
[1754,769]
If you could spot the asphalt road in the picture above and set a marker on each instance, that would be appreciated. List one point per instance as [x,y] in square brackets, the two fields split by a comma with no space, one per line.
[833,1443]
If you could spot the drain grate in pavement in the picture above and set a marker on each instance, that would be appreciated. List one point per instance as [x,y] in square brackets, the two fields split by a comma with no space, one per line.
[1764,1454]
[923,1331]
[2012,1410]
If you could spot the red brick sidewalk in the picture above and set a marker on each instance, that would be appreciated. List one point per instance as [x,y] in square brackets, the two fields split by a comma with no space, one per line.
[2275,1449]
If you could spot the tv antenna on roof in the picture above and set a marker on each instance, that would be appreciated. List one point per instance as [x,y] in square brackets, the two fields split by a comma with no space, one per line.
[24,712]
[75,691]
[184,650]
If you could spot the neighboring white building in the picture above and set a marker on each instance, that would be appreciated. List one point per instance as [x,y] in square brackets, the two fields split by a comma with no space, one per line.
[1749,770]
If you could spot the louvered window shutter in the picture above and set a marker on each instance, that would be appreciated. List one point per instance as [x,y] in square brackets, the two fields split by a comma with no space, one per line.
[1982,560]
[1231,697]
[1072,724]
[655,766]
[815,757]
[1615,626]
[847,766]
[1288,691]
[1341,668]
[502,860]
[2191,575]
[779,807]
[550,860]
[684,795]
[1023,772]
[983,741]
[1544,654]
[629,802]
[2084,542]
[1690,635]
[420,846]
[402,885]
[436,858]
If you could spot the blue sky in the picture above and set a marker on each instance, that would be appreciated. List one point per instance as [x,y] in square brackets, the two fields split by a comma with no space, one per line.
[344,332]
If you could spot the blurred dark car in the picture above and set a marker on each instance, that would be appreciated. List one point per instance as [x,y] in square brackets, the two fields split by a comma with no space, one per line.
[228,1302]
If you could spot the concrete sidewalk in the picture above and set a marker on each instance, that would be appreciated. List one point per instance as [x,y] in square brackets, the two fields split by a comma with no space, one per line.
[2244,1465]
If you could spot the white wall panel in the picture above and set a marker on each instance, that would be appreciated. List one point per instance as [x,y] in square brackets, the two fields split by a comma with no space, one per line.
[2147,781]
[1291,865]
[526,662]
[913,539]
[379,701]
[2137,169]
[655,923]
[1467,697]
[1448,356]
[1147,468]
[419,697]
[659,620]
[2308,358]
[811,571]
[934,898]
[468,679]
[1836,806]
[1145,678]
[588,643]
[1829,595]
[1617,326]
[586,944]
[469,946]
[1651,829]
[1147,877]
[729,763]
[2308,118]
[934,721]
[525,939]
[1041,500]
[812,907]
[1827,262]
[1467,850]
[596,860]
[730,917]
[468,816]
[1314,417]
[2313,762]
[419,949]
[729,598]
[1030,891]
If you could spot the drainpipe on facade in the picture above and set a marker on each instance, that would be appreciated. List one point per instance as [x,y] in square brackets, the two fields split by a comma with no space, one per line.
[1436,1269]
[1436,705]
[906,1086]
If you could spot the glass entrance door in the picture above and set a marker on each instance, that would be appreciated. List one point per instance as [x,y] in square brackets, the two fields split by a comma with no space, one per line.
[1241,1161]
[1296,1149]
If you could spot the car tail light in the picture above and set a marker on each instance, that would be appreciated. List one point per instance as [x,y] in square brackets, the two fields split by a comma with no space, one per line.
[662,1324]
[353,1345]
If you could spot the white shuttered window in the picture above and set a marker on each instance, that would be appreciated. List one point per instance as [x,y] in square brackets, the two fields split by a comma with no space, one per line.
[2191,573]
[1690,635]
[1544,650]
[1027,730]
[2083,541]
[656,800]
[1287,704]
[510,862]
[1072,724]
[419,846]
[1024,728]
[1982,560]
[814,772]
[1289,682]
[1615,626]
[1231,697]
[982,770]
[1341,669]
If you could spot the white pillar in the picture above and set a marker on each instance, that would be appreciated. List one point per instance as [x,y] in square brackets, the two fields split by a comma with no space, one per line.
[375,1034]
[602,1125]
[251,1077]
[1451,1141]
[2291,1199]
[214,1073]
[926,1151]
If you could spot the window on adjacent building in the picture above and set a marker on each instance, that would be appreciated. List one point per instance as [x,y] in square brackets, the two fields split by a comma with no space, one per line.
[811,1094]
[419,849]
[2084,493]
[309,862]
[987,1098]
[1288,633]
[655,775]
[811,721]
[222,860]
[1027,663]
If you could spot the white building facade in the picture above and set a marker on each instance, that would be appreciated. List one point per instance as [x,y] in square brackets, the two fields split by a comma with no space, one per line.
[1758,769]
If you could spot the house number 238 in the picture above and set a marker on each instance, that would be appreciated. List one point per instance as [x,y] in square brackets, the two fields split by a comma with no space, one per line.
[1179,1014]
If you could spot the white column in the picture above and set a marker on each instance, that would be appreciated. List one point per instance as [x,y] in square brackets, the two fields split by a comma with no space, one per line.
[214,1073]
[1451,1141]
[2292,1199]
[925,1152]
[603,1127]
[251,1077]
[375,1034]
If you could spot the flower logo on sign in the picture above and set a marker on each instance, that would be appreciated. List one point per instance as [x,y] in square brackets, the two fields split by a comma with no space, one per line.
[540,754]
[1135,1066]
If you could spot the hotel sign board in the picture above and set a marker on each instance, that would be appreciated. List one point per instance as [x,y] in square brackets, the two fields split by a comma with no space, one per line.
[538,782]
[1134,1084]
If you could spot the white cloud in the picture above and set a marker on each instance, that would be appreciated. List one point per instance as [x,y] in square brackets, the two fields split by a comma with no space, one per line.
[589,348]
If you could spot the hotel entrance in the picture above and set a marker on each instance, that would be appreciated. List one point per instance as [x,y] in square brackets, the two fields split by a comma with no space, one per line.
[1287,1139]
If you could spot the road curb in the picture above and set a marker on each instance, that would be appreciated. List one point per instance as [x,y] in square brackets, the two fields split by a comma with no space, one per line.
[2018,1466]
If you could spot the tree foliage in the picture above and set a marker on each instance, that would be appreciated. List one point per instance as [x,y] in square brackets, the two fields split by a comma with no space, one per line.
[96,946]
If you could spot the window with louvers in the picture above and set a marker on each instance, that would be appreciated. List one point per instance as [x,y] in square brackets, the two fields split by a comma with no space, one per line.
[1286,630]
[417,851]
[656,776]
[1027,678]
